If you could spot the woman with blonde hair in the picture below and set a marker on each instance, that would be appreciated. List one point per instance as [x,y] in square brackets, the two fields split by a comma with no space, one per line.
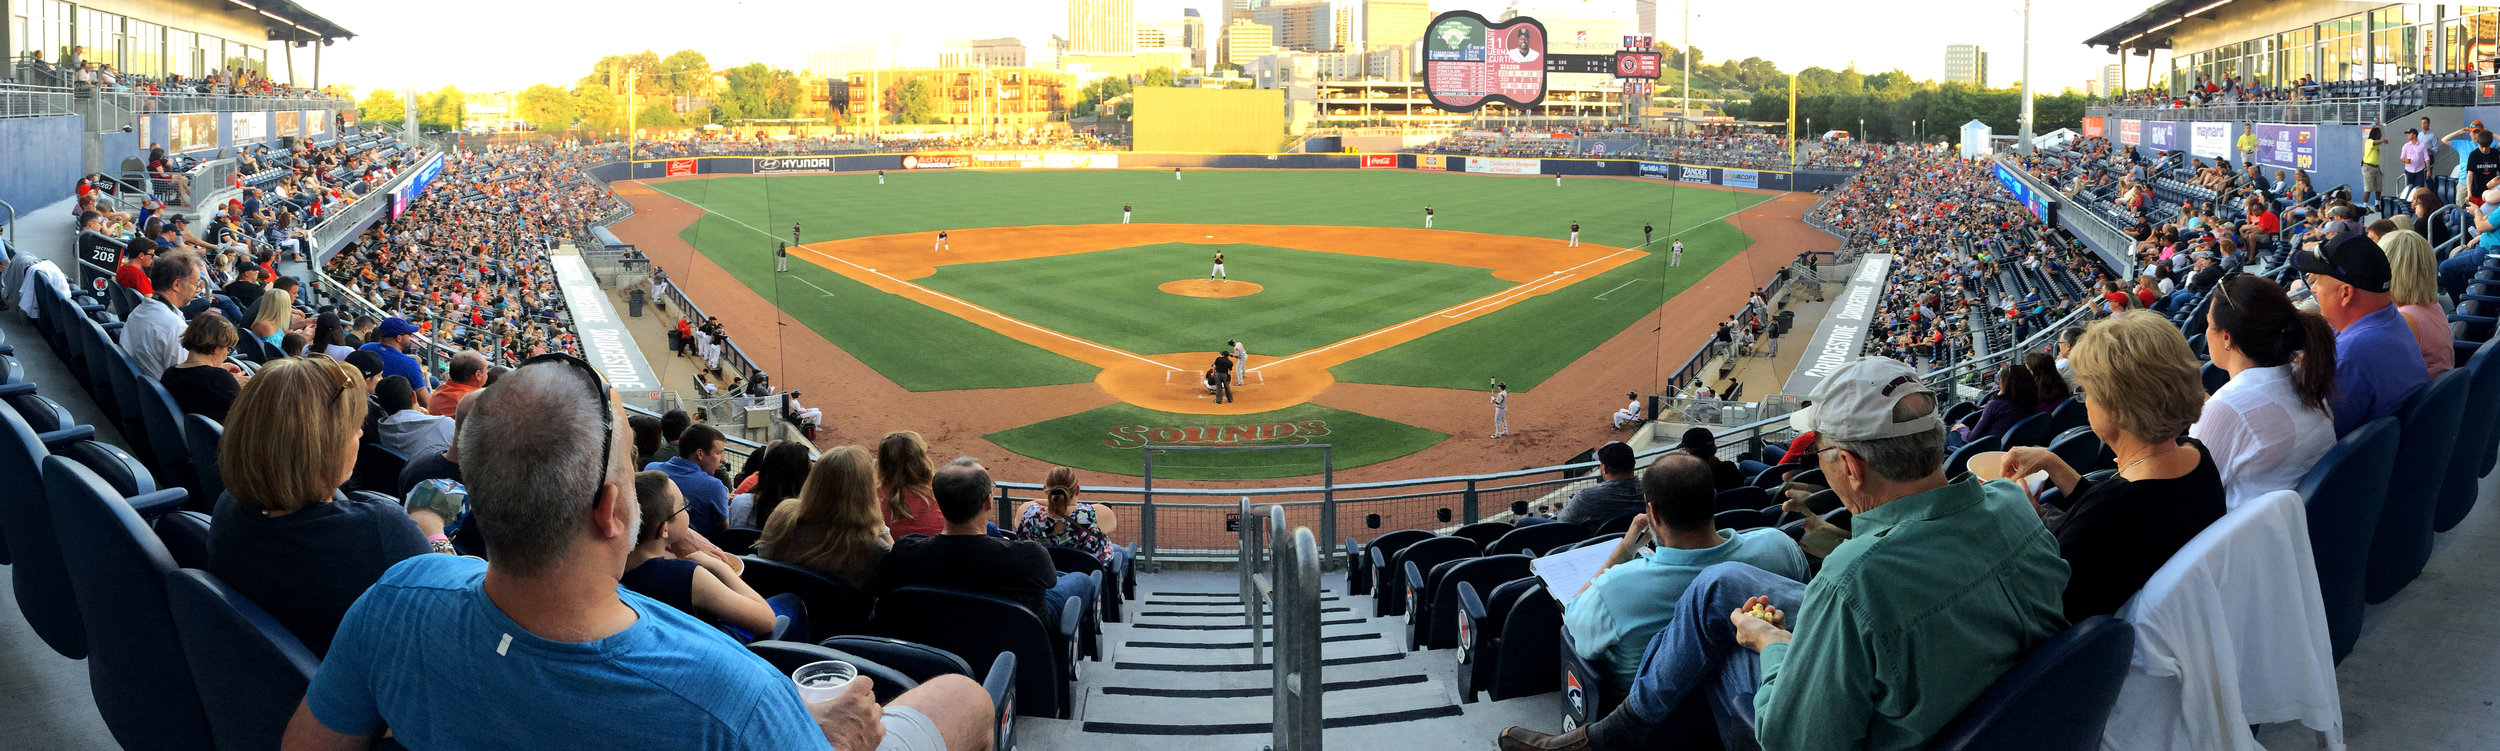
[903,474]
[2414,288]
[2144,392]
[277,312]
[1061,521]
[284,535]
[836,524]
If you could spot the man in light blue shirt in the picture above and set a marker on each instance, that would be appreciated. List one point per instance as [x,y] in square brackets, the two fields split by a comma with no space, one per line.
[700,451]
[542,649]
[1613,619]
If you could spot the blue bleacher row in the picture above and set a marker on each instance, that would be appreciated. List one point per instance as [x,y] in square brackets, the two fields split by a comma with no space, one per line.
[2370,530]
[108,551]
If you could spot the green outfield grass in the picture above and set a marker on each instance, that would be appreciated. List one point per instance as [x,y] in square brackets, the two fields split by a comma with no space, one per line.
[1531,340]
[1109,439]
[1308,299]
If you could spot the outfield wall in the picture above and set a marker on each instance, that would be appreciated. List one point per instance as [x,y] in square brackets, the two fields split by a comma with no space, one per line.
[938,160]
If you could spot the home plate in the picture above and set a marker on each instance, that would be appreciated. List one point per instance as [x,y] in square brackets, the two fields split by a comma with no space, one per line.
[1210,237]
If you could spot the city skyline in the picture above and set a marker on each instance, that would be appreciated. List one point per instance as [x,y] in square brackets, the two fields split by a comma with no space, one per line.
[727,35]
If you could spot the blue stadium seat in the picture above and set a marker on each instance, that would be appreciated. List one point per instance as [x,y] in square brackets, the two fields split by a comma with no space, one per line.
[1484,533]
[1743,519]
[162,420]
[1440,629]
[135,664]
[2081,449]
[788,656]
[965,623]
[1959,462]
[2343,492]
[250,671]
[1771,478]
[200,437]
[2068,415]
[1535,539]
[1370,563]
[834,607]
[2428,426]
[1742,498]
[2473,447]
[2214,377]
[2056,699]
[2029,431]
[1412,563]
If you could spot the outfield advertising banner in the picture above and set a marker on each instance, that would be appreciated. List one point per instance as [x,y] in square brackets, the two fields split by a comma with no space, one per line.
[1432,162]
[1380,161]
[930,161]
[1084,161]
[2130,132]
[1740,178]
[2162,136]
[2287,146]
[2210,140]
[1493,166]
[775,165]
[2093,127]
[682,167]
[1843,332]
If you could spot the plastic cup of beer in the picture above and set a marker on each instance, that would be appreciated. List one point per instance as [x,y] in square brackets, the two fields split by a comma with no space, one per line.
[823,681]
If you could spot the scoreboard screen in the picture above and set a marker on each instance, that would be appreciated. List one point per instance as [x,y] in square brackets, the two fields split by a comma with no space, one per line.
[1638,64]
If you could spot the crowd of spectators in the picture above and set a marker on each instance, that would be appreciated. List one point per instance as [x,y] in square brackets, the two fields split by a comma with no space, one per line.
[760,143]
[468,263]
[1736,146]
[77,70]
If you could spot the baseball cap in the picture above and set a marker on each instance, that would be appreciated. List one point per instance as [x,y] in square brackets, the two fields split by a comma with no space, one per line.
[1615,455]
[394,326]
[2352,259]
[1855,402]
[368,362]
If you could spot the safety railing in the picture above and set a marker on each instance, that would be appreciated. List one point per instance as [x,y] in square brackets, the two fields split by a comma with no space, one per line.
[19,100]
[2348,111]
[1280,575]
[161,103]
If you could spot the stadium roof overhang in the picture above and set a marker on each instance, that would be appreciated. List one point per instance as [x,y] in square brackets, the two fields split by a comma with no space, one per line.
[2151,29]
[289,21]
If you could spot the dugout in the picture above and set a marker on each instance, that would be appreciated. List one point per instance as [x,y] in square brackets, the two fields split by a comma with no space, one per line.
[1235,121]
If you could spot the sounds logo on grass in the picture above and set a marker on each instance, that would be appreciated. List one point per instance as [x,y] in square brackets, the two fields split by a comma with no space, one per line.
[1263,434]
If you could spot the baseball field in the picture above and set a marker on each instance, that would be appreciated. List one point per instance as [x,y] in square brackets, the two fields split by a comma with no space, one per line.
[1100,330]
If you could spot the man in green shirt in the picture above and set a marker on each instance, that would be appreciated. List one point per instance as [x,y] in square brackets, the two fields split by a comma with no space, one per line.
[1944,587]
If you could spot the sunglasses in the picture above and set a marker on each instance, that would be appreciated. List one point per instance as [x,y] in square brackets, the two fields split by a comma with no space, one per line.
[341,380]
[599,390]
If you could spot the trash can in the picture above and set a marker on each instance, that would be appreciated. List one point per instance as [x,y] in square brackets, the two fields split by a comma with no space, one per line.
[633,303]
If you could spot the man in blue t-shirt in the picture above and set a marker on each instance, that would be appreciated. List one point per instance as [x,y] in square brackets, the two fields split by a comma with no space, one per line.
[1635,594]
[542,649]
[2377,362]
[392,340]
[700,451]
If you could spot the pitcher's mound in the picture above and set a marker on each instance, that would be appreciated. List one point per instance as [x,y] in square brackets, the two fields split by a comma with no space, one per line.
[1210,288]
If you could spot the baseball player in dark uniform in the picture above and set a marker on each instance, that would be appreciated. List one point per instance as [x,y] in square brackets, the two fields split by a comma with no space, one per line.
[1223,377]
[941,241]
[1575,234]
[794,233]
[781,257]
[1217,273]
[1645,230]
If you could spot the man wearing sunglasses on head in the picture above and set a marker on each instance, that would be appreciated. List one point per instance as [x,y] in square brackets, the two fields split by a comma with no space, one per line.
[542,649]
[2377,361]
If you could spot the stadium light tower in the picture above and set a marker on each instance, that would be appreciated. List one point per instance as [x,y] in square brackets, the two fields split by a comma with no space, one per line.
[1686,55]
[2024,145]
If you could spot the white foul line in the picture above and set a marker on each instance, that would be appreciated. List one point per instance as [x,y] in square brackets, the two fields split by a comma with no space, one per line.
[828,293]
[1411,322]
[1513,294]
[951,298]
[1602,295]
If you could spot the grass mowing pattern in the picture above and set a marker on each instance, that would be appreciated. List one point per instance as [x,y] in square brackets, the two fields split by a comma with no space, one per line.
[1531,340]
[1310,299]
[1107,440]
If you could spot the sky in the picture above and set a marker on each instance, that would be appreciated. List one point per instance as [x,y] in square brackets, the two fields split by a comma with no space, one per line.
[479,45]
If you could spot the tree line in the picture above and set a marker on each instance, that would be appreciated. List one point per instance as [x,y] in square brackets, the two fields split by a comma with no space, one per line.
[679,89]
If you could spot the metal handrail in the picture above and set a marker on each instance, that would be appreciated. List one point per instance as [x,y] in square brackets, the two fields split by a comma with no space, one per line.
[1289,579]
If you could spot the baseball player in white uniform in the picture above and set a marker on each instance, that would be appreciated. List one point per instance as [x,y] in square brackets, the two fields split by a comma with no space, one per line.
[1124,209]
[880,177]
[1501,409]
[1241,361]
[1631,413]
[1675,253]
[1176,173]
[1558,181]
[1427,217]
[941,241]
[781,257]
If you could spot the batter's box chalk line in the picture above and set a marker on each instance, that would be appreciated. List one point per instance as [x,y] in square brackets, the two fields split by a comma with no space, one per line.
[1199,377]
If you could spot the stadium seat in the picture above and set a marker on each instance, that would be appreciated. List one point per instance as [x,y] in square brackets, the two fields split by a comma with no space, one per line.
[834,607]
[965,623]
[1743,519]
[2344,492]
[200,436]
[1536,539]
[135,664]
[2473,446]
[2056,699]
[737,540]
[1419,559]
[1370,563]
[164,434]
[1482,618]
[1585,697]
[249,669]
[2214,377]
[1742,498]
[1440,629]
[2029,431]
[1771,478]
[1620,523]
[1605,539]
[1484,533]
[1959,462]
[788,656]
[1958,412]
[377,470]
[2081,449]
[2428,425]
[1067,559]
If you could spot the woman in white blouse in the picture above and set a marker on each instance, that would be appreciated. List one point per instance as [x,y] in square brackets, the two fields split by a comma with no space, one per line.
[2270,423]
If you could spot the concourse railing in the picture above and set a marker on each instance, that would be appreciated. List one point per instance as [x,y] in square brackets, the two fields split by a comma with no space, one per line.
[1280,574]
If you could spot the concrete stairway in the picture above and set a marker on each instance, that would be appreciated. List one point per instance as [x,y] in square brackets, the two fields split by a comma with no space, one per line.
[1179,673]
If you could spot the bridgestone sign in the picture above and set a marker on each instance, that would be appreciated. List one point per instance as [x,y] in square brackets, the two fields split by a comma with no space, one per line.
[794,164]
[1842,334]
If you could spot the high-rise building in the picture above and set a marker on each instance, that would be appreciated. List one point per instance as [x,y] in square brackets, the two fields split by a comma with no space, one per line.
[1394,23]
[2113,79]
[1306,25]
[1102,27]
[1645,17]
[840,61]
[1194,37]
[1966,63]
[1246,40]
[1349,26]
[1235,9]
[1003,52]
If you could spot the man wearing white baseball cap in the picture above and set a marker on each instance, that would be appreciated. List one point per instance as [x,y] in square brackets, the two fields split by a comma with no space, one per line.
[1943,587]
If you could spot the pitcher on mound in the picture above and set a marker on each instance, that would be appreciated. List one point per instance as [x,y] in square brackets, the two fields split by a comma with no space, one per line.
[1217,274]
